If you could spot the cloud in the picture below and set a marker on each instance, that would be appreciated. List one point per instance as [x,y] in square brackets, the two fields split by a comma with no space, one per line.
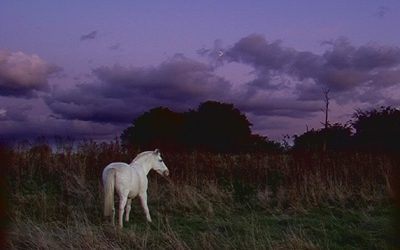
[15,112]
[287,86]
[274,102]
[122,93]
[264,56]
[382,11]
[21,74]
[216,54]
[89,36]
[287,83]
[347,68]
[115,46]
[343,68]
[13,130]
[27,119]
[283,107]
[3,112]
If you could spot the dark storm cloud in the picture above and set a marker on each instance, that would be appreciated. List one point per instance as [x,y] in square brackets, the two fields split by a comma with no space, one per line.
[13,130]
[15,113]
[279,106]
[90,36]
[342,68]
[262,55]
[288,84]
[122,93]
[87,106]
[348,68]
[21,74]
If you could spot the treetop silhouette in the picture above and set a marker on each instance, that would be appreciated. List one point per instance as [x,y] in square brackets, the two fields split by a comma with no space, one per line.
[214,126]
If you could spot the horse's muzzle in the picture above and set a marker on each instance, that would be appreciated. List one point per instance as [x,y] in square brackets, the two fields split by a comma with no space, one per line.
[166,173]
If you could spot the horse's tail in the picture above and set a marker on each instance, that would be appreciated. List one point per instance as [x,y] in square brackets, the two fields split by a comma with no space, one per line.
[109,182]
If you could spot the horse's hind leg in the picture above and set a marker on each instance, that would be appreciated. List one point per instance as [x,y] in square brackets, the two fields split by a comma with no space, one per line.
[128,209]
[113,216]
[122,203]
[143,200]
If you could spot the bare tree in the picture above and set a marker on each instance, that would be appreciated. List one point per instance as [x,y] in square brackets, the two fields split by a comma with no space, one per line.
[326,108]
[326,112]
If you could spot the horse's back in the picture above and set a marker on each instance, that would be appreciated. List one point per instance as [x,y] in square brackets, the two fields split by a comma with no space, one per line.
[119,166]
[127,178]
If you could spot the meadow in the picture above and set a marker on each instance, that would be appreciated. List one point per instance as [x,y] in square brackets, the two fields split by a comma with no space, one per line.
[303,200]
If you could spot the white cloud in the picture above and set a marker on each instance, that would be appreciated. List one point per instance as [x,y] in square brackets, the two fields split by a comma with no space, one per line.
[3,112]
[21,73]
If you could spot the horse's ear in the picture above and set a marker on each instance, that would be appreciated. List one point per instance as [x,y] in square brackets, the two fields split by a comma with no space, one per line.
[157,151]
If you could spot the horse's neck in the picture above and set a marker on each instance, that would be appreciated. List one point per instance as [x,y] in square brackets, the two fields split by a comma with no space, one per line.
[141,164]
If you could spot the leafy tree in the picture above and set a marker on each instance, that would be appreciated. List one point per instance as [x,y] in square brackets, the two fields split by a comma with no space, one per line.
[159,127]
[335,137]
[258,143]
[218,126]
[214,126]
[377,129]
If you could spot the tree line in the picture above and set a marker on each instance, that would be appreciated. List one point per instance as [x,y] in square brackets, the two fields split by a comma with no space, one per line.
[221,127]
[370,130]
[213,126]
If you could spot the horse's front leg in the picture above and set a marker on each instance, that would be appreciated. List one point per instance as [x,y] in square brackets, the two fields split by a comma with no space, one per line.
[122,203]
[143,200]
[128,209]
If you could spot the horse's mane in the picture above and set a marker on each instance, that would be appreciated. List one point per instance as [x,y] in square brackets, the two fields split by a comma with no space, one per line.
[141,155]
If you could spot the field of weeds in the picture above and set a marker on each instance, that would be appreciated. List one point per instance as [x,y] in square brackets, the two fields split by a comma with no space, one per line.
[211,201]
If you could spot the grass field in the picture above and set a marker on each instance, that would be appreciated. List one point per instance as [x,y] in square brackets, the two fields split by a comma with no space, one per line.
[212,201]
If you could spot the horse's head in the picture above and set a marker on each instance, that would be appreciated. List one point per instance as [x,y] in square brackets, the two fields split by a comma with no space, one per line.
[158,164]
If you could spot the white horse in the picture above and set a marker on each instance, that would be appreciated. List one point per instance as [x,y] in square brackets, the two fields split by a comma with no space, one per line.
[129,181]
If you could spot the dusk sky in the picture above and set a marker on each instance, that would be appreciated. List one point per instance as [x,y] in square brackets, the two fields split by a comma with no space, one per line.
[86,69]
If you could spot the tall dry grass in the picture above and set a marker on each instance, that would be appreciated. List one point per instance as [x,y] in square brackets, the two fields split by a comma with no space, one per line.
[56,194]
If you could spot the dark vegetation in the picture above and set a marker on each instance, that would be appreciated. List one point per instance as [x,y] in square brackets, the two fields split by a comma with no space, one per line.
[213,127]
[376,130]
[222,128]
[231,191]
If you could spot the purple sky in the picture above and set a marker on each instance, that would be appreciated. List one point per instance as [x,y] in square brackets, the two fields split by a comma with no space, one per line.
[86,69]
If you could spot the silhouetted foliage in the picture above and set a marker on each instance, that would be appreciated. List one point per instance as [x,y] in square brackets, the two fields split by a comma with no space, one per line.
[337,137]
[159,127]
[377,129]
[214,126]
[218,127]
[260,143]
